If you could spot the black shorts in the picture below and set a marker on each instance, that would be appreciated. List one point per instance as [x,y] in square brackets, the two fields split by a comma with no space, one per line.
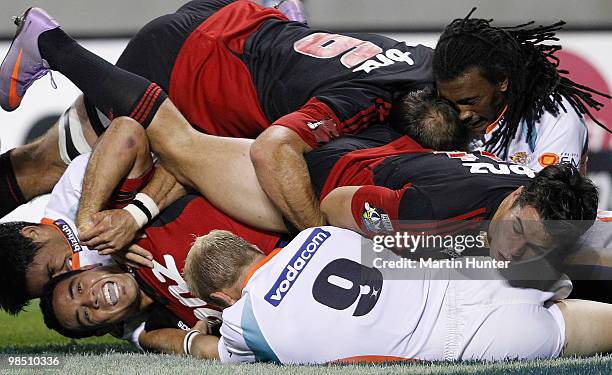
[152,52]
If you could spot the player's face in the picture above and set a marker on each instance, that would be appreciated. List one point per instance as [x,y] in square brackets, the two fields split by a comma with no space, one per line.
[96,298]
[50,261]
[478,101]
[518,234]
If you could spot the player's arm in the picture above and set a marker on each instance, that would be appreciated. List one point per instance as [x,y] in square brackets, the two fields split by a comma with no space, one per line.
[172,341]
[278,158]
[164,340]
[337,208]
[122,152]
[371,209]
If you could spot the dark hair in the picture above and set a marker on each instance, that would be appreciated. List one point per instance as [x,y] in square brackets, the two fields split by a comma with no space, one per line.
[51,321]
[565,200]
[17,253]
[535,84]
[430,120]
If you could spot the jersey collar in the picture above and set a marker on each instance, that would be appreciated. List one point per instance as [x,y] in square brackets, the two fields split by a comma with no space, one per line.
[71,237]
[259,265]
[494,124]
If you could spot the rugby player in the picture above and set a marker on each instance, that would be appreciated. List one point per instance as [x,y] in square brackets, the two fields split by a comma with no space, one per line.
[365,314]
[34,253]
[162,73]
[310,84]
[402,181]
[506,84]
[123,152]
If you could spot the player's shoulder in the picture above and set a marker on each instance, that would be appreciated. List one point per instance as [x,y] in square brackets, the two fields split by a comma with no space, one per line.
[323,233]
[567,120]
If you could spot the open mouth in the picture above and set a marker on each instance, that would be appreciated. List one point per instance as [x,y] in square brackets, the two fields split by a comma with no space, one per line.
[111,293]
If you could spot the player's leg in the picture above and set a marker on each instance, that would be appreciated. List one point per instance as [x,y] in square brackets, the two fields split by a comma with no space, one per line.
[219,168]
[587,327]
[31,170]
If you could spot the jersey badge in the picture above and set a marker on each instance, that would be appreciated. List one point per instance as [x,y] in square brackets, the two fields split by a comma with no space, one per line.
[375,219]
[520,157]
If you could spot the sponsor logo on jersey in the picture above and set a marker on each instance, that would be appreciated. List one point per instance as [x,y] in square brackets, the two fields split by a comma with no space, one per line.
[390,57]
[375,219]
[362,55]
[548,158]
[520,157]
[571,158]
[501,169]
[296,265]
[70,235]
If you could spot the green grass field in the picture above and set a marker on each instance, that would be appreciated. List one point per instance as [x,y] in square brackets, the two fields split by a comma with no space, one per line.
[26,335]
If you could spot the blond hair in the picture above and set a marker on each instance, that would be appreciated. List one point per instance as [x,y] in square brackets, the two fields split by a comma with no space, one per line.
[216,261]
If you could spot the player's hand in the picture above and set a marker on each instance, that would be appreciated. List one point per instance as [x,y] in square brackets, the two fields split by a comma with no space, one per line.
[134,256]
[109,231]
[203,327]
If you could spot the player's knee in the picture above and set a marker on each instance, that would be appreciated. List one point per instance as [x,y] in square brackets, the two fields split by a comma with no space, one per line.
[129,132]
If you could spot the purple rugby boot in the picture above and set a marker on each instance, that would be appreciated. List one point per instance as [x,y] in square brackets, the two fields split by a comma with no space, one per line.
[23,64]
[293,9]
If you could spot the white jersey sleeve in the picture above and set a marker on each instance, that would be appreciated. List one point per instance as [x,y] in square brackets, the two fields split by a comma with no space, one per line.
[232,346]
[64,200]
[559,139]
[63,207]
[554,139]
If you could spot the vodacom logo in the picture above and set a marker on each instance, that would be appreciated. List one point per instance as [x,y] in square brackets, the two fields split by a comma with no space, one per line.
[582,71]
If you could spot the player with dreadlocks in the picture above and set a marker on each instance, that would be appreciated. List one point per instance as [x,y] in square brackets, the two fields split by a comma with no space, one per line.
[506,83]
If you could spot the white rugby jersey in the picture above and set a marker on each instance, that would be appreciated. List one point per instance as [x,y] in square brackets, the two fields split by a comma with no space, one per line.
[555,139]
[315,302]
[62,211]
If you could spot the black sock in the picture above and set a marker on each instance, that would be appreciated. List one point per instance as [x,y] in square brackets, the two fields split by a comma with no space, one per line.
[11,196]
[112,90]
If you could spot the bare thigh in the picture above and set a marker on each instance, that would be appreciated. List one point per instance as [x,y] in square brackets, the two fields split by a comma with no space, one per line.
[218,167]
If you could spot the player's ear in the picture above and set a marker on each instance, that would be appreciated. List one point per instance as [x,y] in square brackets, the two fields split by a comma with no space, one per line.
[33,232]
[515,194]
[258,249]
[518,191]
[223,298]
[503,85]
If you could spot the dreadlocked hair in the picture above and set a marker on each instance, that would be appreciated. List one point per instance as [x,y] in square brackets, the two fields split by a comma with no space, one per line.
[535,82]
